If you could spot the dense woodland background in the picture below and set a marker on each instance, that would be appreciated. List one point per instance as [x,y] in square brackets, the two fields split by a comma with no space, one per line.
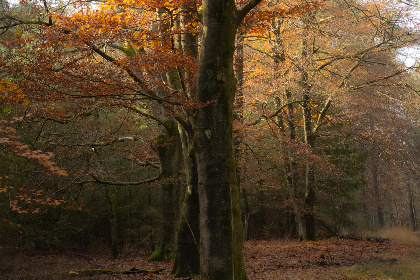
[326,121]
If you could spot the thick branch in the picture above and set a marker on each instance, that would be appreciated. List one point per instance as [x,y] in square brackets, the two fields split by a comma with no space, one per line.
[99,144]
[115,140]
[327,105]
[149,93]
[370,83]
[113,60]
[18,22]
[246,9]
[264,116]
[144,114]
[104,182]
[149,163]
[362,52]
[322,114]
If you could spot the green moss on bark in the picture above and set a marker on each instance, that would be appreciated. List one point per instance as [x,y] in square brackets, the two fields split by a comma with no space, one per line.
[168,146]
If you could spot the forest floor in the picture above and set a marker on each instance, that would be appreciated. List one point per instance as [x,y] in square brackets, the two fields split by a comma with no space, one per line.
[265,259]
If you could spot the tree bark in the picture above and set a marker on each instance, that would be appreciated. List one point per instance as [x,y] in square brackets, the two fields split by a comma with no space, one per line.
[187,259]
[290,165]
[308,215]
[376,192]
[307,218]
[113,224]
[221,237]
[169,150]
[238,117]
[412,208]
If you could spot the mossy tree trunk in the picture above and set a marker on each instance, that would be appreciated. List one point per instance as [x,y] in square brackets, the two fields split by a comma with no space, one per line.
[238,117]
[187,259]
[169,149]
[221,237]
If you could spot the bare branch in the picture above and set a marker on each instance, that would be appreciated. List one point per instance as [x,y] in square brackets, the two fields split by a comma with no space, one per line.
[264,116]
[105,182]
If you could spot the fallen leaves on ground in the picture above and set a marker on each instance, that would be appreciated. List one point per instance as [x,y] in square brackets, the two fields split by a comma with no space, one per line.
[265,259]
[286,259]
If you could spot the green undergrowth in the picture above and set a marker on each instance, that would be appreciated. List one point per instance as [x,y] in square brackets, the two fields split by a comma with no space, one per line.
[406,267]
[403,271]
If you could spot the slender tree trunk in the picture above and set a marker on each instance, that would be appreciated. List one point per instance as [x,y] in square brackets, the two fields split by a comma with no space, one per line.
[112,223]
[291,164]
[150,221]
[306,218]
[238,117]
[378,197]
[308,215]
[412,208]
[374,163]
[309,198]
[289,161]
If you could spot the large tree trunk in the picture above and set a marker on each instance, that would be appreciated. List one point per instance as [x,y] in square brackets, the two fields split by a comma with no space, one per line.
[187,259]
[220,220]
[169,149]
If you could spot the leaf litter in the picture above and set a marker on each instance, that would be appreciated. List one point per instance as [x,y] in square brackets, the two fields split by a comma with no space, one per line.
[264,259]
